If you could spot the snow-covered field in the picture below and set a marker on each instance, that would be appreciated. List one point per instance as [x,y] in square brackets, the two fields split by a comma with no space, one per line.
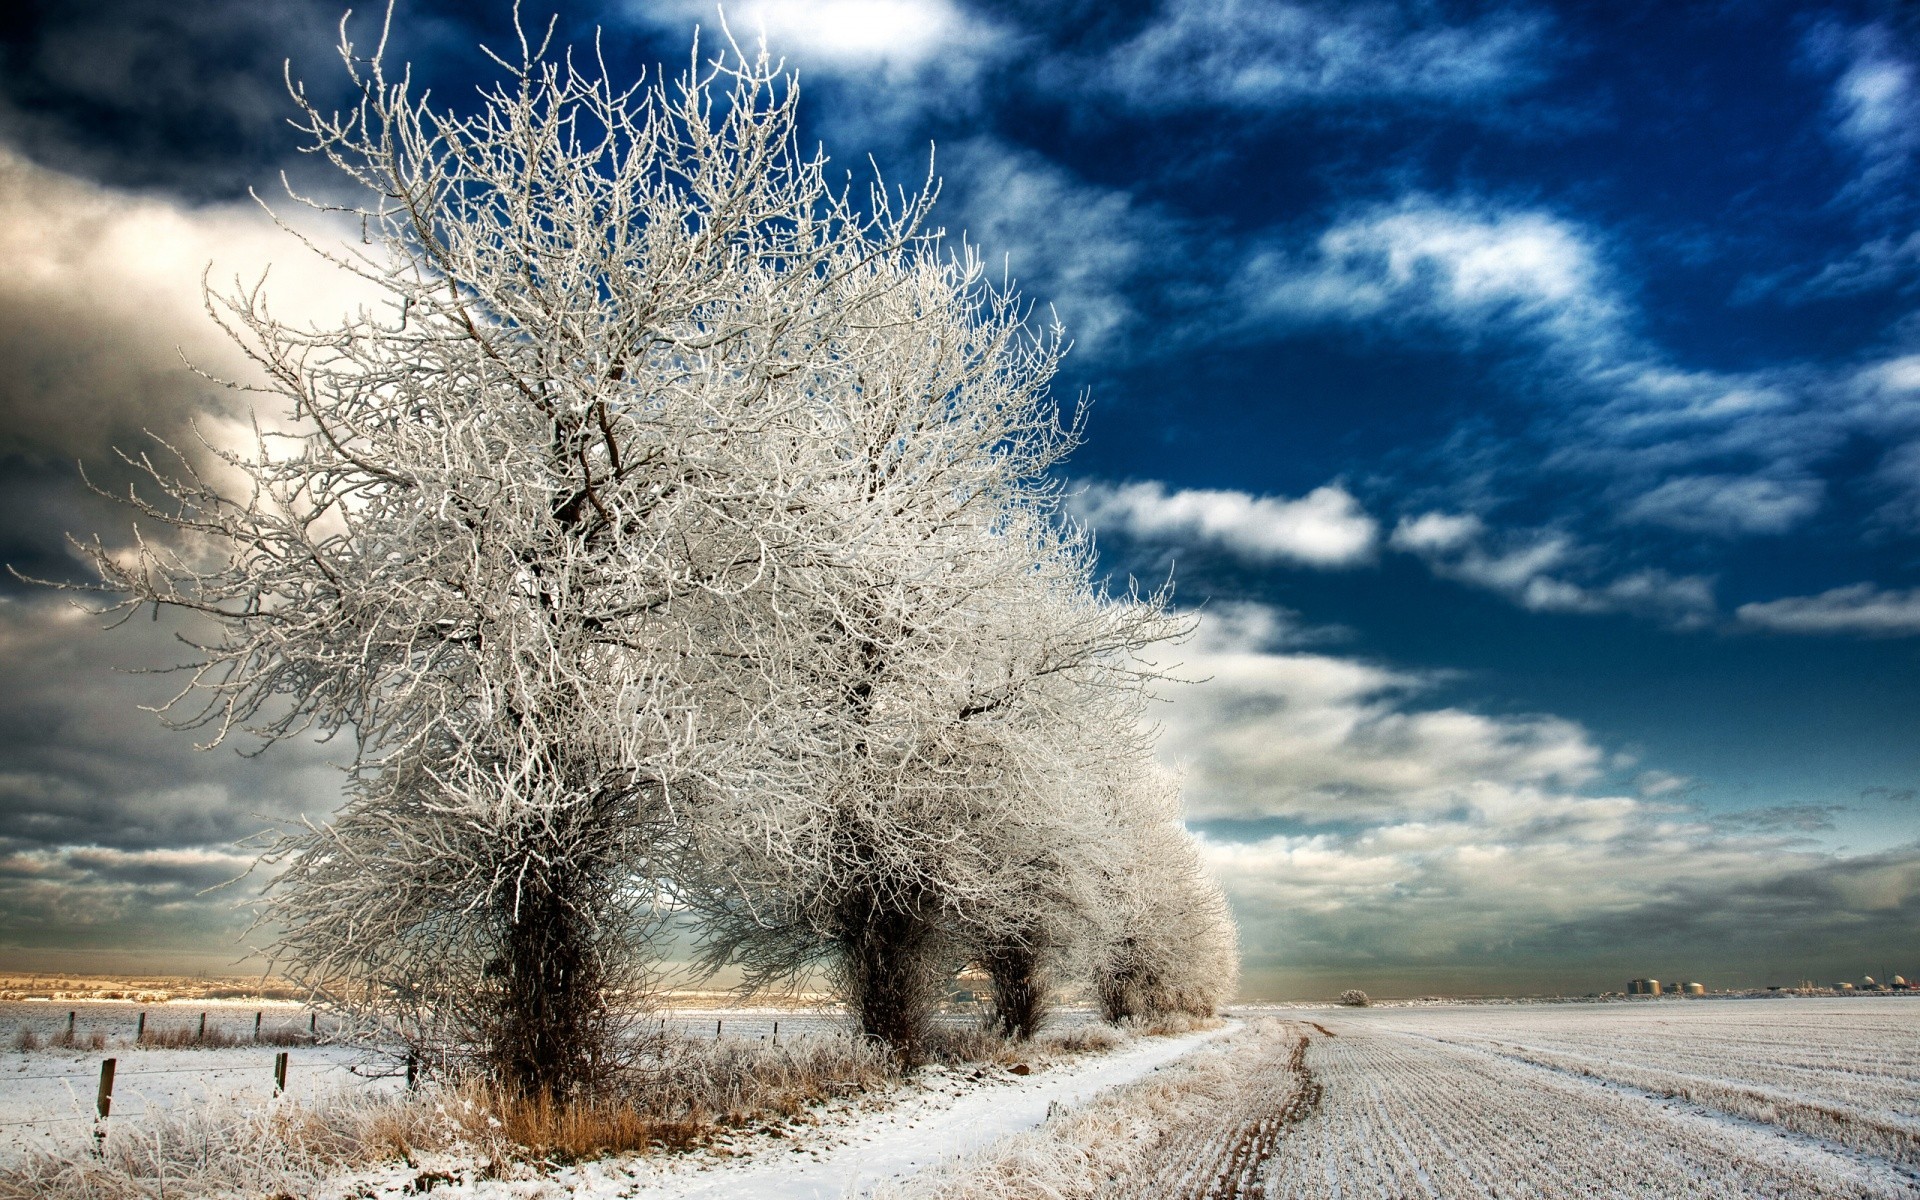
[1730,1098]
[1783,1098]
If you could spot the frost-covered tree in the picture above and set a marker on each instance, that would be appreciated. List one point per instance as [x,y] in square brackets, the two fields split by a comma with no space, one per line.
[679,528]
[948,626]
[505,516]
[1172,946]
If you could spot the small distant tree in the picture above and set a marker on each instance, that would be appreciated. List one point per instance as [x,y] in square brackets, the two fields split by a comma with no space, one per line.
[1355,998]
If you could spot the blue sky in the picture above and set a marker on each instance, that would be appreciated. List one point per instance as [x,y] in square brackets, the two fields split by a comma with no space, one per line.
[1528,396]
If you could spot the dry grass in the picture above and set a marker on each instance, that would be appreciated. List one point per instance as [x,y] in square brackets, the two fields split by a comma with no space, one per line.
[677,1096]
[1172,1024]
[188,1037]
[68,1039]
[227,1150]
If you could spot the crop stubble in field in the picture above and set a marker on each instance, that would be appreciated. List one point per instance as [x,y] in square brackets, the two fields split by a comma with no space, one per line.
[1707,1099]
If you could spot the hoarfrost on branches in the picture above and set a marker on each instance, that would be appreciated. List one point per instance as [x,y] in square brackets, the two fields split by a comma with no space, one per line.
[680,530]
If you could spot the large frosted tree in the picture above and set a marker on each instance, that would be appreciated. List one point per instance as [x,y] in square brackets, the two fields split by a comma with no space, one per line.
[678,528]
[498,521]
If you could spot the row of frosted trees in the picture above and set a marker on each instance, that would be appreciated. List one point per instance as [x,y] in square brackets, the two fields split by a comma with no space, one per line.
[678,544]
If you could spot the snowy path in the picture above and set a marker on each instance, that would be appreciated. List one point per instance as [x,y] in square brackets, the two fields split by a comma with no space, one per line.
[905,1137]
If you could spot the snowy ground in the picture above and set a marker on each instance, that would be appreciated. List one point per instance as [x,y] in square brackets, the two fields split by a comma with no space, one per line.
[1788,1098]
[1724,1098]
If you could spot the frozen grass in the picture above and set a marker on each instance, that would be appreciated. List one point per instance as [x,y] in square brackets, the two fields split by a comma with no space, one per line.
[281,1149]
[681,1093]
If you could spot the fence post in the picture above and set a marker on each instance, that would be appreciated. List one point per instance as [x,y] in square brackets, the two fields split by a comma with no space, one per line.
[103,1099]
[313,1024]
[140,1029]
[716,1031]
[280,1072]
[776,1033]
[202,1035]
[256,1026]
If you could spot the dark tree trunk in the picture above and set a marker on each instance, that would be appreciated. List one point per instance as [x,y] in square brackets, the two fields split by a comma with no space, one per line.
[551,1014]
[889,958]
[1019,988]
[1119,987]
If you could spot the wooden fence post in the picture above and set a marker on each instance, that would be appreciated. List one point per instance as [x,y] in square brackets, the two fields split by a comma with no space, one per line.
[103,1099]
[313,1024]
[202,1035]
[140,1029]
[280,1072]
[256,1026]
[776,1033]
[716,1031]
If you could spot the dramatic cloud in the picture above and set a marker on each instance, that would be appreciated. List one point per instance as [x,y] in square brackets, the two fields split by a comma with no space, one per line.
[99,303]
[1245,54]
[898,35]
[1082,250]
[1324,528]
[144,93]
[1860,608]
[1464,265]
[1547,570]
[1322,738]
[1875,106]
[1413,835]
[1728,506]
[111,826]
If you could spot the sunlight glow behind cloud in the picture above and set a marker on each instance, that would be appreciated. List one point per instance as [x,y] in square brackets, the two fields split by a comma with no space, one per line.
[896,32]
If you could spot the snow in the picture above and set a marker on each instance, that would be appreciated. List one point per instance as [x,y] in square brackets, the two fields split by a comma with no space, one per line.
[47,1096]
[1732,1098]
[942,1117]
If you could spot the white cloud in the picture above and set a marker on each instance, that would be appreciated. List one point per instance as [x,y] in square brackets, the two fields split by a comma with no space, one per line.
[1437,532]
[1875,104]
[1860,608]
[1620,409]
[1243,53]
[1728,505]
[894,33]
[1546,570]
[1277,733]
[1414,834]
[1325,528]
[1078,247]
[1466,265]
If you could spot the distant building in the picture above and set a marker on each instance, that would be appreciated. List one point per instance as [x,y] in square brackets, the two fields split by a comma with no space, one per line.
[1643,987]
[1692,989]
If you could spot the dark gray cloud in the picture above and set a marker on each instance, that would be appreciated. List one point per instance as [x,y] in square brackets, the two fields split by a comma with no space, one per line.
[144,93]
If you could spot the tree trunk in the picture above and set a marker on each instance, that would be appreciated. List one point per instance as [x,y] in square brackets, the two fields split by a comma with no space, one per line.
[889,959]
[1118,985]
[1019,988]
[551,1011]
